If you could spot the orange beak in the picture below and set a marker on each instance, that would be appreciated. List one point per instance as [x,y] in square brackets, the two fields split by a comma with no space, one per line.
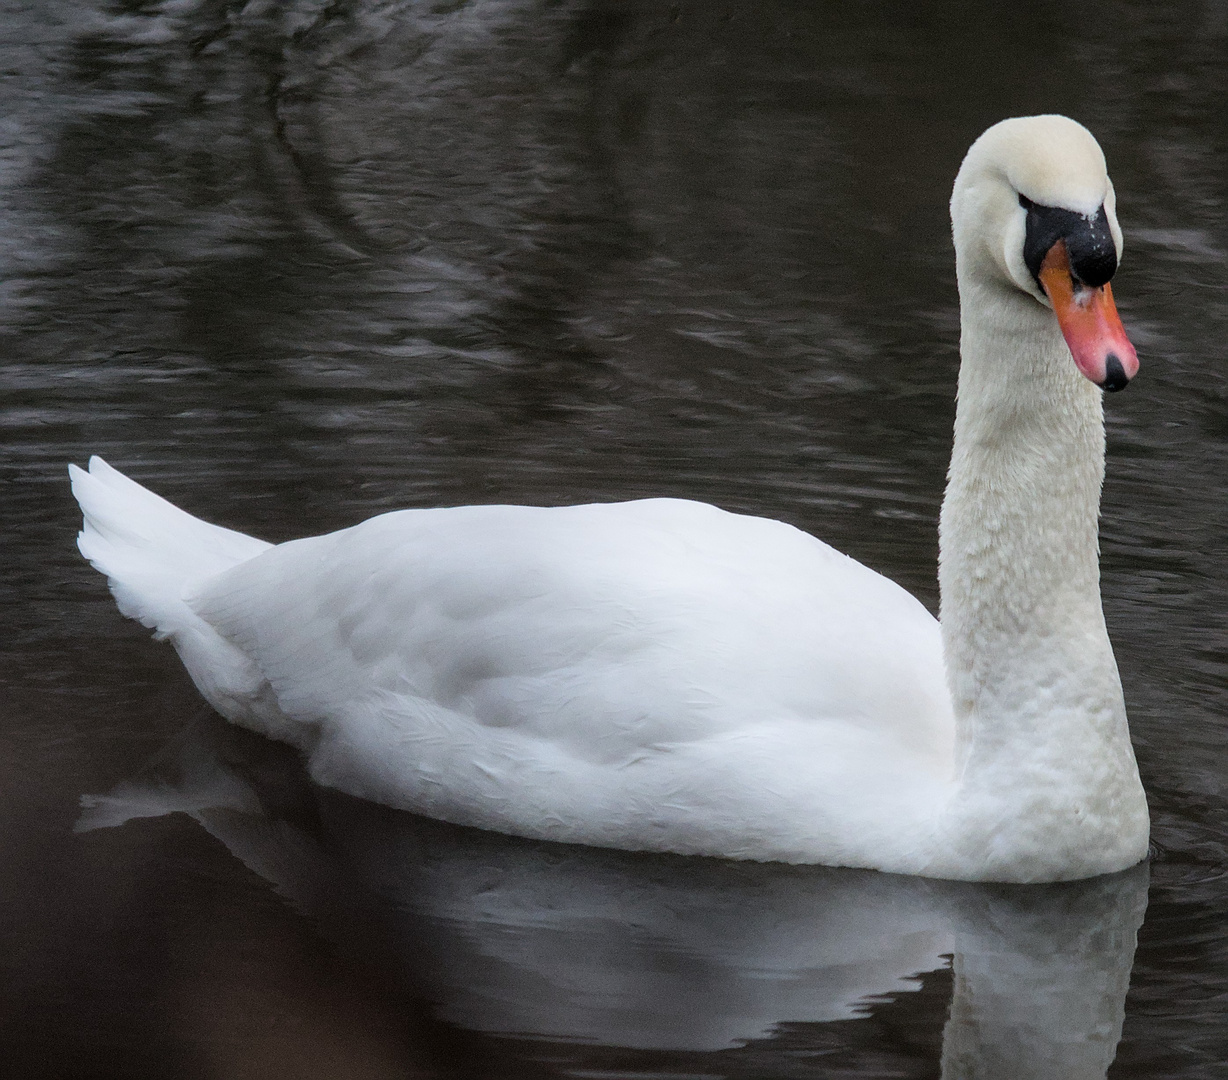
[1090,323]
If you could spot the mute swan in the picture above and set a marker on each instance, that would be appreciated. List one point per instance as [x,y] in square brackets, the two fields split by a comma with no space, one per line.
[662,675]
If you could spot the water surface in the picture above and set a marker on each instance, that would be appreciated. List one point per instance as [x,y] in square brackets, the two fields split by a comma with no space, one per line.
[295,264]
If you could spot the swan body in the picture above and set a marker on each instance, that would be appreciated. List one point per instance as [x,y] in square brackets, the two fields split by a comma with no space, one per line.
[663,675]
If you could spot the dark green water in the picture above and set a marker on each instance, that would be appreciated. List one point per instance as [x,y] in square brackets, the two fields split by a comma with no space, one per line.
[294,264]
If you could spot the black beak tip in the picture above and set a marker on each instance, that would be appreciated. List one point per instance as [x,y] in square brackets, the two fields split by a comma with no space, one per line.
[1114,375]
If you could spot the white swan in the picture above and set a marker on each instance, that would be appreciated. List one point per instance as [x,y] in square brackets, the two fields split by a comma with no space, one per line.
[663,675]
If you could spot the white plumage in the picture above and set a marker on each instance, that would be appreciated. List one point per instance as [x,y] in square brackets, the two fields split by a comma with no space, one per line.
[579,673]
[663,675]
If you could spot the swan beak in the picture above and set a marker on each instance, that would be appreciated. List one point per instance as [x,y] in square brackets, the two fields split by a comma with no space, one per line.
[1090,323]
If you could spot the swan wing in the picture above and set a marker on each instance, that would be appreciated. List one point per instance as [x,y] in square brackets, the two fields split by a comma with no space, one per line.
[459,661]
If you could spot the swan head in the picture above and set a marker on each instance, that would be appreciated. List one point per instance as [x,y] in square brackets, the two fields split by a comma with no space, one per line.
[1035,217]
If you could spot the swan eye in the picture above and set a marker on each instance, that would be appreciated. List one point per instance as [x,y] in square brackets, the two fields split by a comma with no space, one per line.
[1025,202]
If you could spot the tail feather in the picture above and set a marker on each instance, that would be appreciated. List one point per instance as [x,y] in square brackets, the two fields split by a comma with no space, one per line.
[153,553]
[155,558]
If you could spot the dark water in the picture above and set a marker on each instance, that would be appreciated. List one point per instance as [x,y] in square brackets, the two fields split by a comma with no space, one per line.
[294,264]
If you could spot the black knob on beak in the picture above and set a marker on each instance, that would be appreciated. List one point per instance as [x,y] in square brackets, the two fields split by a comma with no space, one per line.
[1089,243]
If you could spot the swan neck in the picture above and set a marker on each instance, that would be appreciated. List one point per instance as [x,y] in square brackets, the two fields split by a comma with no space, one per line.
[1047,786]
[1019,553]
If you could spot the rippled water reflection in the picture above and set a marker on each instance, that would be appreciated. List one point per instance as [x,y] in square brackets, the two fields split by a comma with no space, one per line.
[294,264]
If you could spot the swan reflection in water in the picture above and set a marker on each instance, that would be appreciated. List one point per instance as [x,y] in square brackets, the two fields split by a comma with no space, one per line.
[515,937]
